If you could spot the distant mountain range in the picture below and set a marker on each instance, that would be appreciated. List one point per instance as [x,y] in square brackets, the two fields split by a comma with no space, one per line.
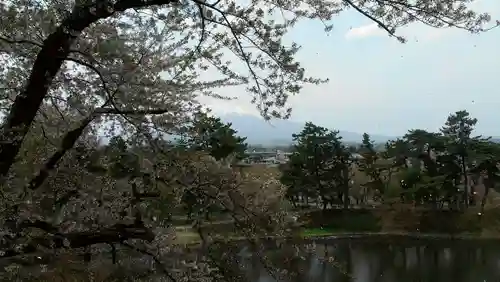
[279,132]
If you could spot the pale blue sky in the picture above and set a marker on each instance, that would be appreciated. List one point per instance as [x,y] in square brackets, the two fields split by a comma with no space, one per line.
[380,86]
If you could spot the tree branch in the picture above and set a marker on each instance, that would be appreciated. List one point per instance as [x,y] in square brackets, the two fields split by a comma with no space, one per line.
[380,24]
[115,111]
[68,142]
[114,234]
[20,41]
[55,49]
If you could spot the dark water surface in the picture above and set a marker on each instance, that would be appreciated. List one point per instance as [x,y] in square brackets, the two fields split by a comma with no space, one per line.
[392,260]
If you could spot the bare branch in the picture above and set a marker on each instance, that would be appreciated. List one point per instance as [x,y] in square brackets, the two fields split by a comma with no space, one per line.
[235,36]
[114,111]
[20,41]
[390,31]
[115,234]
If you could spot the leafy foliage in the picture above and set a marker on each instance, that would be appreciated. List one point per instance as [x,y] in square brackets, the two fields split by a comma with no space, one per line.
[217,138]
[379,173]
[438,170]
[320,161]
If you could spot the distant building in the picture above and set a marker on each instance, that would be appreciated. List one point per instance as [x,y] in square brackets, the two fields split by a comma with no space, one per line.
[275,157]
[357,156]
[266,157]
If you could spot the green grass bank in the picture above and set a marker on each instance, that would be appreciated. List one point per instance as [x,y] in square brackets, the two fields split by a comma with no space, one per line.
[401,220]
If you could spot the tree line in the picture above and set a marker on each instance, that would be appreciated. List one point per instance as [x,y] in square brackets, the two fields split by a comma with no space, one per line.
[433,169]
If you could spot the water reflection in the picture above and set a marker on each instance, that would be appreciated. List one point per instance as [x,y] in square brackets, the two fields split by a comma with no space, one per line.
[418,261]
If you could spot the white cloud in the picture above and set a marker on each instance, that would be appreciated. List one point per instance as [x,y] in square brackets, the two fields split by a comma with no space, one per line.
[224,108]
[365,31]
[414,31]
[241,105]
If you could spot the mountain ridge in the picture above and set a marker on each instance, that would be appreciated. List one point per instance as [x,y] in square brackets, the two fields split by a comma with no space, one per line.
[279,132]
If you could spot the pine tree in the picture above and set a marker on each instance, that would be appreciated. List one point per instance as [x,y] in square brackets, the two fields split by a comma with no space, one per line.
[210,134]
[320,163]
[459,143]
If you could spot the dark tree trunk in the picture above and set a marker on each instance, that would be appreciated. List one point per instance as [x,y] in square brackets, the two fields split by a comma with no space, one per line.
[113,253]
[55,50]
[466,181]
[346,188]
[324,202]
[488,184]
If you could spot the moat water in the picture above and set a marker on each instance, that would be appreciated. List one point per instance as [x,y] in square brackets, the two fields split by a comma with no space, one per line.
[392,261]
